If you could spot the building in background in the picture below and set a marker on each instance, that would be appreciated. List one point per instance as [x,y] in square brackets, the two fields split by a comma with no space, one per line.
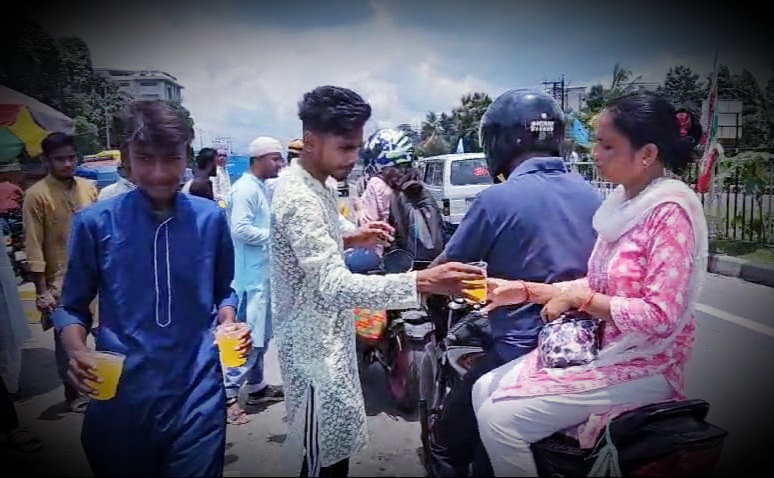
[729,122]
[146,84]
[574,98]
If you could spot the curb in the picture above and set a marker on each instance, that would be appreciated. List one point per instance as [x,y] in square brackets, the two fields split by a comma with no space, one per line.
[741,269]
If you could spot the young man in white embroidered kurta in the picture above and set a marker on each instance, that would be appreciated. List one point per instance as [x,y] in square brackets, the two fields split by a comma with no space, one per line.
[249,217]
[313,293]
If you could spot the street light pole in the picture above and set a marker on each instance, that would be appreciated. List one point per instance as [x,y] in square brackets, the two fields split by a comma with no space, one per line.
[107,128]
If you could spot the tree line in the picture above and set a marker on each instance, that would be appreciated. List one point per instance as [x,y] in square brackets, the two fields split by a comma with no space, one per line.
[441,132]
[58,71]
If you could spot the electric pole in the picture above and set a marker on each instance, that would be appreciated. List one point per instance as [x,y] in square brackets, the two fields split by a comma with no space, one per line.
[557,90]
[103,102]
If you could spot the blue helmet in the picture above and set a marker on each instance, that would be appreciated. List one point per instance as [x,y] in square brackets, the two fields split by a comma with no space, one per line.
[387,147]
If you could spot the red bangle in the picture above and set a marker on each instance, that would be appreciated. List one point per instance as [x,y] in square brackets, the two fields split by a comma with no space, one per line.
[587,302]
[526,291]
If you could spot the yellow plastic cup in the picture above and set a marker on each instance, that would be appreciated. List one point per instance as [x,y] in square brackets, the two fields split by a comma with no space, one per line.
[227,338]
[109,368]
[478,287]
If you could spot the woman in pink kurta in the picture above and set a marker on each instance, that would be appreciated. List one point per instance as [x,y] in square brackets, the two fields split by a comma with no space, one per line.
[643,281]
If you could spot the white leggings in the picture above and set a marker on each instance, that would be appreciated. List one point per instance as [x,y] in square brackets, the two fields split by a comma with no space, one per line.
[508,426]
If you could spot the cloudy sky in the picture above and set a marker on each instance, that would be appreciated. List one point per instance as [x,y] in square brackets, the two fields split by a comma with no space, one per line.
[245,64]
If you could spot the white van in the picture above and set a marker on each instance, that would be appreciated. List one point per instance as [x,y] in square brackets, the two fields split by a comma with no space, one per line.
[455,180]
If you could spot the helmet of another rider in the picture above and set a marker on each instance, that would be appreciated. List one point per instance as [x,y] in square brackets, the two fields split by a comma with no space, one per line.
[518,122]
[387,147]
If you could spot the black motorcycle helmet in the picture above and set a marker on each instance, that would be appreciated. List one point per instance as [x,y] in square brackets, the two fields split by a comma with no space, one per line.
[520,121]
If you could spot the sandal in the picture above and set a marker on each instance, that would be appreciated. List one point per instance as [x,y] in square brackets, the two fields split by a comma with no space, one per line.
[25,441]
[235,415]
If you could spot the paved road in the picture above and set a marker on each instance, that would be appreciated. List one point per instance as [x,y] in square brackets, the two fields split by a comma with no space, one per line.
[732,367]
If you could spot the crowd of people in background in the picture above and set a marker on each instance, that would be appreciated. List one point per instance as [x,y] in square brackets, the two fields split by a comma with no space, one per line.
[155,271]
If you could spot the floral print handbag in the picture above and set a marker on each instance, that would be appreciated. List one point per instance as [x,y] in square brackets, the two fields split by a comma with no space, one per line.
[570,340]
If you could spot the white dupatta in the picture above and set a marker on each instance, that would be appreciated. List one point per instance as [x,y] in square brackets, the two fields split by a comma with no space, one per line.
[615,217]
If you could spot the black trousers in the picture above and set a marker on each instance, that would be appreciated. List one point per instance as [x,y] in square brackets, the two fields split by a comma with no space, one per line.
[337,470]
[454,441]
[9,420]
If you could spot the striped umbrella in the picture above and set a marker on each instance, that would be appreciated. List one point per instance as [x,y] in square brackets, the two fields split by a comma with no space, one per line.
[24,123]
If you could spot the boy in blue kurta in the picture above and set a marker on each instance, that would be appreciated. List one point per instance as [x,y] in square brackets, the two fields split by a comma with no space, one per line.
[162,263]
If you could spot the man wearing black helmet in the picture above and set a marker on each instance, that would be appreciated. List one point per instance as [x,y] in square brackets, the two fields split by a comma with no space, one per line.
[534,224]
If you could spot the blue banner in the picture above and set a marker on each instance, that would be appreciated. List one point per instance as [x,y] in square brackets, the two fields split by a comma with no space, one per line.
[579,133]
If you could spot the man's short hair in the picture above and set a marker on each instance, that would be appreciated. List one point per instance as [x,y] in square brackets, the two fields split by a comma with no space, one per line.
[56,140]
[154,122]
[205,158]
[333,110]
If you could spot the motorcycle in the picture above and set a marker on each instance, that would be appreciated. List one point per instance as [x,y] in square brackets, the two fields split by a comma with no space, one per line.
[670,438]
[459,338]
[14,226]
[395,339]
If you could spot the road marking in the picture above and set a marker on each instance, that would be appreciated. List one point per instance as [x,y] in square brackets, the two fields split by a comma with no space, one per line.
[735,319]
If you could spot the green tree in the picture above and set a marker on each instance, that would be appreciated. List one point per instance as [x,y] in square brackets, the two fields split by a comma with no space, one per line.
[29,60]
[467,118]
[726,84]
[756,111]
[86,136]
[622,82]
[433,146]
[413,135]
[436,128]
[683,87]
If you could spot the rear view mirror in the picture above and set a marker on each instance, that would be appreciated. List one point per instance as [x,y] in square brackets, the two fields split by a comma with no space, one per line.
[397,261]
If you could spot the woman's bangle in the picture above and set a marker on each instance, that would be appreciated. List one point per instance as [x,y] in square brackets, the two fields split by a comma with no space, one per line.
[526,291]
[587,302]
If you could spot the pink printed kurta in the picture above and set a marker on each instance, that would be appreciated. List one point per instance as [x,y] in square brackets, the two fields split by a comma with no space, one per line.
[646,272]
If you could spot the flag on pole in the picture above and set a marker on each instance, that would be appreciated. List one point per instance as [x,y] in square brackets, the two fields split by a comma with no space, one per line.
[460,147]
[579,133]
[709,137]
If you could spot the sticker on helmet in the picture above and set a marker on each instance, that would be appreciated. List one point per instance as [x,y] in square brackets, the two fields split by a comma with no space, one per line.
[541,126]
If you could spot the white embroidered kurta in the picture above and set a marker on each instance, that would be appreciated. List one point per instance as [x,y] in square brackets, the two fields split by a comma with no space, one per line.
[313,294]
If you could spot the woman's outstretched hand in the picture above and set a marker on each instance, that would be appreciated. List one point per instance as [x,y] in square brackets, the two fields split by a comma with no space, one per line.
[504,292]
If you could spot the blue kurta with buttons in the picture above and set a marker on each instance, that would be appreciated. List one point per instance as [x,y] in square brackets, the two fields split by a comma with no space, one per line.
[536,226]
[160,284]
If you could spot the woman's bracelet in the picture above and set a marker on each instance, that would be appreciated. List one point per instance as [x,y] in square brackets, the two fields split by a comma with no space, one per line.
[526,291]
[587,302]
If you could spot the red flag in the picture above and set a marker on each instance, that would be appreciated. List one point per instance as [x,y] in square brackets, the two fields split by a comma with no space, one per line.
[710,155]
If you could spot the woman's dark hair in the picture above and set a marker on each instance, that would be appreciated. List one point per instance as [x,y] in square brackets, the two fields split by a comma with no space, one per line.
[396,177]
[56,140]
[206,158]
[156,123]
[648,118]
[333,110]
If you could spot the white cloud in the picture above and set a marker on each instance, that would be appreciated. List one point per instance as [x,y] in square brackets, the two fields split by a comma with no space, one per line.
[242,81]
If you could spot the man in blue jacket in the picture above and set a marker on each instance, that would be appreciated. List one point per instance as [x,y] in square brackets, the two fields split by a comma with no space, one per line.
[534,225]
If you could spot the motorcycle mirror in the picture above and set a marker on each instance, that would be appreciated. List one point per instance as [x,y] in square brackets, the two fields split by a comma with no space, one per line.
[397,261]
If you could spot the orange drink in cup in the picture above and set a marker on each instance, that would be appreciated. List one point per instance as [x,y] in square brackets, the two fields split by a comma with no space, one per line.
[227,337]
[477,292]
[109,368]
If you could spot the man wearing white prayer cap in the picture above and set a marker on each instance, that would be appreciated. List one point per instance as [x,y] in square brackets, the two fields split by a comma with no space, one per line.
[249,219]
